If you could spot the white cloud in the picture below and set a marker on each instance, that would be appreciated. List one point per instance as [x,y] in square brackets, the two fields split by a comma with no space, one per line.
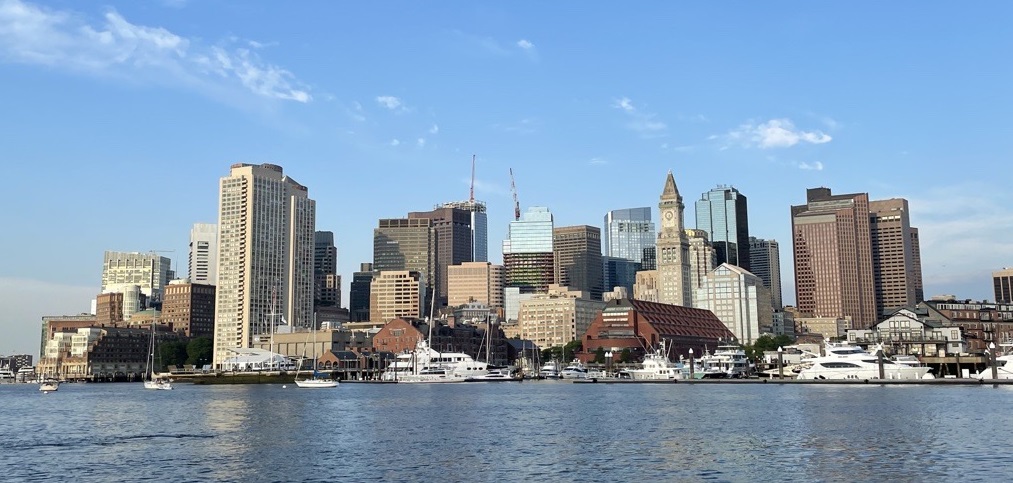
[775,133]
[63,39]
[625,104]
[525,44]
[395,142]
[421,142]
[390,102]
[814,166]
[435,129]
[598,162]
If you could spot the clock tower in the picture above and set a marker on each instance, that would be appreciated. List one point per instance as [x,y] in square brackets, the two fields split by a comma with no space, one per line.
[673,249]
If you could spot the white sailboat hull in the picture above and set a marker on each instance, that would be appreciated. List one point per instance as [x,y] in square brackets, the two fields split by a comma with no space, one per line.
[158,384]
[317,383]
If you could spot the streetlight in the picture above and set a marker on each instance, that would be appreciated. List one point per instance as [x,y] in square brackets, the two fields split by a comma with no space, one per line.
[780,363]
[608,362]
[991,355]
[691,363]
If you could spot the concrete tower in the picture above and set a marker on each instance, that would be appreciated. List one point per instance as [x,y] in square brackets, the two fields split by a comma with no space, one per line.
[203,266]
[266,222]
[673,249]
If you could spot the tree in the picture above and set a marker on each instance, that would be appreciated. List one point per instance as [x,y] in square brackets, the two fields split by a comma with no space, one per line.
[170,353]
[625,355]
[599,355]
[571,348]
[200,351]
[766,343]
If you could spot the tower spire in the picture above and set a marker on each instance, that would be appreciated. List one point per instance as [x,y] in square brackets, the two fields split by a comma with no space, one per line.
[670,188]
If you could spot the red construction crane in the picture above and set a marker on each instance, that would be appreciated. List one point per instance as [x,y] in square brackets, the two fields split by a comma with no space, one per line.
[517,204]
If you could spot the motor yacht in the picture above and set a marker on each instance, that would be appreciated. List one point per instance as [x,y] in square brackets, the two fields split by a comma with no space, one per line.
[1003,369]
[574,370]
[549,371]
[495,375]
[425,364]
[729,360]
[657,367]
[845,361]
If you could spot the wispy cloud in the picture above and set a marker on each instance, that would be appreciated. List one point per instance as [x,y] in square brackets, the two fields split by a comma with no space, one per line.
[395,142]
[775,133]
[390,102]
[525,44]
[114,47]
[421,142]
[814,166]
[645,123]
[598,162]
[435,129]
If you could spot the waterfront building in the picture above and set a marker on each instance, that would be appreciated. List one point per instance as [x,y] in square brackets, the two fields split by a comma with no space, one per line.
[453,233]
[646,287]
[189,308]
[129,298]
[475,282]
[1002,282]
[739,299]
[358,296]
[307,342]
[722,213]
[674,286]
[479,224]
[203,261]
[911,331]
[406,244]
[636,325]
[981,323]
[629,234]
[702,259]
[54,324]
[896,265]
[149,271]
[266,225]
[326,281]
[619,272]
[577,259]
[833,257]
[100,353]
[557,317]
[765,262]
[396,293]
[527,251]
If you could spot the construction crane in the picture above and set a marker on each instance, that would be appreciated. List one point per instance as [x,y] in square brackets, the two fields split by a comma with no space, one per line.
[517,204]
[471,198]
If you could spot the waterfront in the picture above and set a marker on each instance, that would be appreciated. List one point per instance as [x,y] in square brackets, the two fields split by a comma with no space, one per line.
[555,431]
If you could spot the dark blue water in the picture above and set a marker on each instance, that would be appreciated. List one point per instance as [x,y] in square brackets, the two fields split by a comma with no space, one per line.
[533,431]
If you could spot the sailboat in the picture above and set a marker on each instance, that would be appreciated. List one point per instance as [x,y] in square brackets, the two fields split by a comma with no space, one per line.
[150,380]
[317,380]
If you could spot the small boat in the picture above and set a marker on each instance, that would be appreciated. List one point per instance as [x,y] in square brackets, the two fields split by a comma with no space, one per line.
[317,381]
[49,385]
[151,381]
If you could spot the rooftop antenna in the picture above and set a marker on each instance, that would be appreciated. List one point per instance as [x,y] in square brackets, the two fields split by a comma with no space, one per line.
[471,198]
[513,188]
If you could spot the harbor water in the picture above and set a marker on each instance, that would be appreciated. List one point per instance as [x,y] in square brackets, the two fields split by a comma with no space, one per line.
[532,431]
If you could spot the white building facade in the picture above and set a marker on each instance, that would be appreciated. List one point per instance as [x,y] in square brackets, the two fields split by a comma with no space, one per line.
[739,299]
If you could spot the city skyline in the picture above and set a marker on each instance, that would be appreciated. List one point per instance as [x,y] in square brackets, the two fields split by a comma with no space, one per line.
[382,118]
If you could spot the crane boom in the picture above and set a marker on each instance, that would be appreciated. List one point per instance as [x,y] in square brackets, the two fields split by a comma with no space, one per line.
[471,198]
[517,204]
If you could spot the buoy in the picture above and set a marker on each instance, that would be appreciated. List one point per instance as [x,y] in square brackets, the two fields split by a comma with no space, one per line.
[283,386]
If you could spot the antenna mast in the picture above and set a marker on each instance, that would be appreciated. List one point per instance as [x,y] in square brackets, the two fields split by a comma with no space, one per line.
[517,204]
[471,198]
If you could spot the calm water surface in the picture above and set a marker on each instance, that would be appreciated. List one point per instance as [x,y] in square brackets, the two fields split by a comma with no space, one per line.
[533,431]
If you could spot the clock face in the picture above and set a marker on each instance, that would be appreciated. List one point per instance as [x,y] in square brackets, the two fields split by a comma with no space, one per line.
[669,217]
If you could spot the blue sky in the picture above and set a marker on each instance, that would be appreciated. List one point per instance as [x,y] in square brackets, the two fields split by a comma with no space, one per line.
[120,117]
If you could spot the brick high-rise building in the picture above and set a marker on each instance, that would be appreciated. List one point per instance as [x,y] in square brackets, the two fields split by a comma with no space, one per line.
[577,259]
[406,244]
[189,308]
[266,223]
[833,256]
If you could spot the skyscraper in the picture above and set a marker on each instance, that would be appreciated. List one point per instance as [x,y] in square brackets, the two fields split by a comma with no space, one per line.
[673,249]
[394,294]
[358,297]
[480,282]
[266,222]
[405,244]
[1002,281]
[479,227]
[577,259]
[833,256]
[628,233]
[896,267]
[149,271]
[765,258]
[722,213]
[203,263]
[326,281]
[527,251]
[453,235]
